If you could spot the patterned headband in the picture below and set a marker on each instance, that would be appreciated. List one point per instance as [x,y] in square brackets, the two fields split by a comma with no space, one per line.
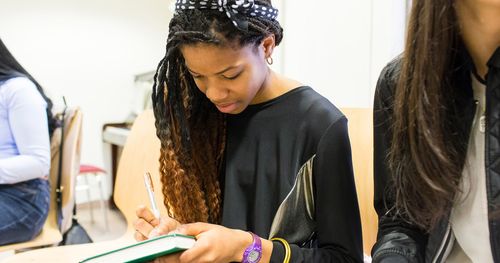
[236,10]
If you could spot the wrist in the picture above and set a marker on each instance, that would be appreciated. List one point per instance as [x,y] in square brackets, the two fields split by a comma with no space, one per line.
[253,253]
[244,239]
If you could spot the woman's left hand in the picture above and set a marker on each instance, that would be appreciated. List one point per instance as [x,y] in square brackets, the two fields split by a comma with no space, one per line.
[214,243]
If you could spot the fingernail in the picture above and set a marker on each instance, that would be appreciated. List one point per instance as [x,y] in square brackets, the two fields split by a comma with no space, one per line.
[153,233]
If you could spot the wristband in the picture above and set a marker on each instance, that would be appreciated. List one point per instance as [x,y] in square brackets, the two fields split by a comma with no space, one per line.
[253,253]
[288,250]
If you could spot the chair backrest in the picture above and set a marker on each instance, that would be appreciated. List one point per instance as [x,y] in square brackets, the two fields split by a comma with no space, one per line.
[70,165]
[140,154]
[360,124]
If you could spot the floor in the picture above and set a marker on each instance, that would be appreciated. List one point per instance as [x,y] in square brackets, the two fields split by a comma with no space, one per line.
[97,228]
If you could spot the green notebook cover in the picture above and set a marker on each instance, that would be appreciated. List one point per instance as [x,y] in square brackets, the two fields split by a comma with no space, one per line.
[146,250]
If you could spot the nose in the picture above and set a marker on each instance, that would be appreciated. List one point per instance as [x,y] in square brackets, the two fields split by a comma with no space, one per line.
[216,93]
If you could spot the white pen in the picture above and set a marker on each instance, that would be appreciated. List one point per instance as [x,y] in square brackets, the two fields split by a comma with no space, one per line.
[151,193]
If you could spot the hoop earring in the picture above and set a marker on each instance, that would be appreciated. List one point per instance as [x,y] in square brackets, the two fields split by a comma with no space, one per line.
[269,60]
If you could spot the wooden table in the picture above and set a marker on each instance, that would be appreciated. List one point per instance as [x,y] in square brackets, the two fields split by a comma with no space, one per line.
[70,254]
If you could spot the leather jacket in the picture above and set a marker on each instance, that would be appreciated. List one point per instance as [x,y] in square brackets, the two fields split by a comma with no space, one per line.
[399,240]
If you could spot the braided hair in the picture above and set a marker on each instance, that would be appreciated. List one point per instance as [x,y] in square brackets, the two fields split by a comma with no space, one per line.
[191,130]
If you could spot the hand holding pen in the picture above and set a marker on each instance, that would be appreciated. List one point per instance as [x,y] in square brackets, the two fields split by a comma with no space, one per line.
[149,224]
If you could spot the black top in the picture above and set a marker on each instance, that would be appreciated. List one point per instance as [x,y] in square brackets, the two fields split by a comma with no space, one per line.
[267,144]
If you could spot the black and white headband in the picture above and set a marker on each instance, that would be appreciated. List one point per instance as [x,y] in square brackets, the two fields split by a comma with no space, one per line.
[236,10]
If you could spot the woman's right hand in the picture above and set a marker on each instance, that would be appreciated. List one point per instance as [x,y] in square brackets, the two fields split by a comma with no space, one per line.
[148,226]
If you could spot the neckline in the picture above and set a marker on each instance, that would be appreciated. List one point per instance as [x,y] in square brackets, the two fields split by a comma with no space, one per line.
[259,106]
[477,77]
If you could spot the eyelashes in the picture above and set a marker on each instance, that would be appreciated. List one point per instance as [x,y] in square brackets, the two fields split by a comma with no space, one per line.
[233,77]
[197,77]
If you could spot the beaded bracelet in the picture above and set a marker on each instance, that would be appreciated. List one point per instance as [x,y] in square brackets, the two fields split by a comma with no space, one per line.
[288,251]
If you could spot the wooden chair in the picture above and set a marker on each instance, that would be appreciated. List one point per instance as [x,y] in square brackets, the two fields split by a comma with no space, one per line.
[140,154]
[51,234]
[360,124]
[71,164]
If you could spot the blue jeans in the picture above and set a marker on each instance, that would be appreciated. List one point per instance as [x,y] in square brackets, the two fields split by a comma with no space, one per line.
[23,209]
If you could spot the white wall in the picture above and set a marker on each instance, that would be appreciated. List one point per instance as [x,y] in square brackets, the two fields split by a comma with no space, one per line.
[388,34]
[89,51]
[339,47]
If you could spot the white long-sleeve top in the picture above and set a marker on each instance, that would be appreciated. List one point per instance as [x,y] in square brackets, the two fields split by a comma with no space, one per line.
[24,135]
[469,215]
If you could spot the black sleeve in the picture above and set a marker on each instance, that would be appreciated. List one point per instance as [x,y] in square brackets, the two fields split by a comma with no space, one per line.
[336,205]
[397,240]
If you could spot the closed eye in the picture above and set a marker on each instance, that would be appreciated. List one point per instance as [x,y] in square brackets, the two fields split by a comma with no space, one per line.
[232,77]
[196,76]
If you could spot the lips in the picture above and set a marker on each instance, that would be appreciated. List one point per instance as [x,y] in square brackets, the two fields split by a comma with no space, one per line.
[226,107]
[223,105]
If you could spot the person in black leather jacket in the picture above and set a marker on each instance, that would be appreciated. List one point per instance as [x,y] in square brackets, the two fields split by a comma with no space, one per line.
[437,137]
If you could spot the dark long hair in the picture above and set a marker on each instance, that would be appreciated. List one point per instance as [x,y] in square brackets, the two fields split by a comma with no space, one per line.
[10,68]
[426,155]
[191,129]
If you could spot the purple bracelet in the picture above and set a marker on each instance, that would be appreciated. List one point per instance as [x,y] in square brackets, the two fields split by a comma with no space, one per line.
[253,253]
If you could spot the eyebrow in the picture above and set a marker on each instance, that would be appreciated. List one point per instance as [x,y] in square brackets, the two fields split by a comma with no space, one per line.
[220,72]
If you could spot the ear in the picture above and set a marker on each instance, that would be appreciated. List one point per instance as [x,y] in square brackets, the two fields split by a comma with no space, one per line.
[268,44]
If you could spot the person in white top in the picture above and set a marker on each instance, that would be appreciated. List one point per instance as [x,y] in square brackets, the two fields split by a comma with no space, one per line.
[26,124]
[437,138]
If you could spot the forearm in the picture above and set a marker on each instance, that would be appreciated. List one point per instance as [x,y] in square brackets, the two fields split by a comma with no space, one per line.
[320,254]
[274,253]
[395,247]
[397,239]
[22,168]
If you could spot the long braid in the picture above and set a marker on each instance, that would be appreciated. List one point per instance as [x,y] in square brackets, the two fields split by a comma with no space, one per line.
[191,130]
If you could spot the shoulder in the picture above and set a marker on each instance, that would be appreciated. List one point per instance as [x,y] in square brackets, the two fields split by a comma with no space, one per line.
[337,131]
[388,79]
[318,108]
[17,85]
[322,119]
[20,89]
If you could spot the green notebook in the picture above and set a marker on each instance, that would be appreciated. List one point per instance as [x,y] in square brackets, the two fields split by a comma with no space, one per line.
[146,250]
